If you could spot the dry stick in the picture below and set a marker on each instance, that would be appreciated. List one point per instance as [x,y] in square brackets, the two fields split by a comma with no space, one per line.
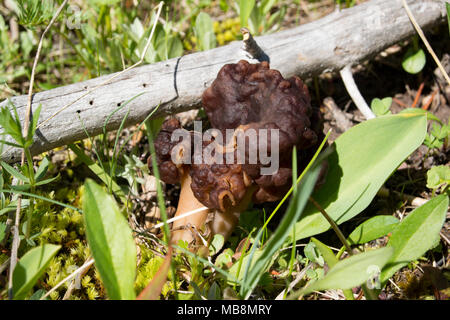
[414,201]
[353,91]
[294,283]
[87,264]
[160,5]
[418,94]
[251,47]
[342,121]
[73,282]
[425,41]
[181,216]
[16,239]
[444,237]
[4,265]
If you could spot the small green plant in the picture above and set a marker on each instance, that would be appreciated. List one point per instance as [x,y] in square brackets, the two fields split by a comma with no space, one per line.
[438,179]
[346,3]
[204,32]
[258,16]
[380,107]
[438,136]
[34,13]
[414,59]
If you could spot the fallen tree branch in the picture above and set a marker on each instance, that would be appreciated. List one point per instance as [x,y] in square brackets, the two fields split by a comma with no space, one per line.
[331,43]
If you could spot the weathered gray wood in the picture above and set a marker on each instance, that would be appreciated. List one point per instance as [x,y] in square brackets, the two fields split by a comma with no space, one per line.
[344,37]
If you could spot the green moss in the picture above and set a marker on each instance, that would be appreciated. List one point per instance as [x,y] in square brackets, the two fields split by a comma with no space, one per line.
[147,268]
[65,227]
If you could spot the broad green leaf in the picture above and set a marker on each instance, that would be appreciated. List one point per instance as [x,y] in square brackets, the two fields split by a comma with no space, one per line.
[135,30]
[235,272]
[312,253]
[416,234]
[214,292]
[351,272]
[111,242]
[438,176]
[245,9]
[204,31]
[430,116]
[414,61]
[364,157]
[381,107]
[38,295]
[169,46]
[30,268]
[216,244]
[372,229]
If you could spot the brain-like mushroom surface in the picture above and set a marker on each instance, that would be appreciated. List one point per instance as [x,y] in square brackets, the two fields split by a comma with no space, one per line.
[168,170]
[252,96]
[244,98]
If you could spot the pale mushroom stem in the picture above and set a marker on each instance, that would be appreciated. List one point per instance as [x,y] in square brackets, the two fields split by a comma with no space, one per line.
[188,228]
[225,222]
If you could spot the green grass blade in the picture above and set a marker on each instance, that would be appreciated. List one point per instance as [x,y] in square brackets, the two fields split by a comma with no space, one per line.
[14,172]
[447,6]
[245,9]
[32,195]
[99,172]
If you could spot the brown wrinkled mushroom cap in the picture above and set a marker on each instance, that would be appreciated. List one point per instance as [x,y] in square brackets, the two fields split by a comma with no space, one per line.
[253,96]
[169,172]
[247,96]
[244,96]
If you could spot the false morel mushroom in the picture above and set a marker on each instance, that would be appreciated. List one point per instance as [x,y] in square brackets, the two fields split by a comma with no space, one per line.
[262,110]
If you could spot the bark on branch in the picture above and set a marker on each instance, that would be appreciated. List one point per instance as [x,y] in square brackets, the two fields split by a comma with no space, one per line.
[331,43]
